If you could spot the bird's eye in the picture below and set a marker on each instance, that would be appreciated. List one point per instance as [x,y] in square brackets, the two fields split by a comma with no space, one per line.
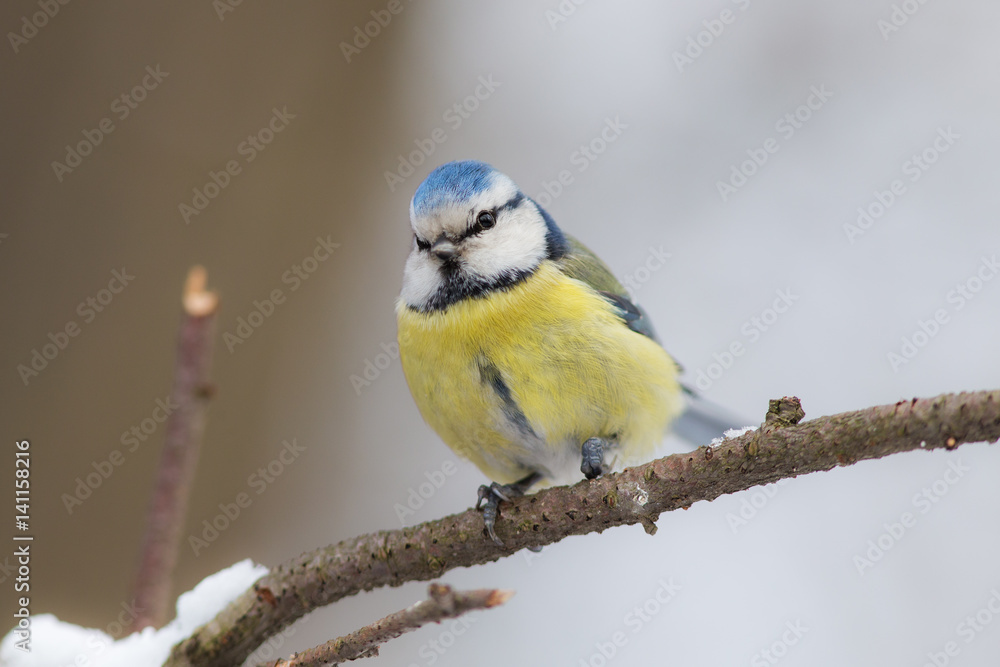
[486,220]
[422,244]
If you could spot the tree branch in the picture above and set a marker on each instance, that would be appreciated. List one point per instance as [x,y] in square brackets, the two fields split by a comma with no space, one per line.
[781,448]
[443,603]
[181,443]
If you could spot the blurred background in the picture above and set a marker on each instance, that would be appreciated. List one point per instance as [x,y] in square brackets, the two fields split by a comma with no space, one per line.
[816,182]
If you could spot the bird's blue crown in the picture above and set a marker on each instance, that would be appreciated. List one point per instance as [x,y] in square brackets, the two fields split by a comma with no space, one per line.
[453,183]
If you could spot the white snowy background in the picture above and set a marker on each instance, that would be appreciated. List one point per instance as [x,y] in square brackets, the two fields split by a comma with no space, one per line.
[744,569]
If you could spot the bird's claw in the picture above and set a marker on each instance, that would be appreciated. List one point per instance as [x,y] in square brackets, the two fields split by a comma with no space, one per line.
[492,495]
[592,454]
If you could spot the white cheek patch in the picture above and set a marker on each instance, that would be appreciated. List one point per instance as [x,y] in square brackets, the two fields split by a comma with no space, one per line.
[421,279]
[516,244]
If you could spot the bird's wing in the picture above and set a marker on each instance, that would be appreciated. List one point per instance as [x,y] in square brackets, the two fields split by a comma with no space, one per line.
[702,419]
[582,264]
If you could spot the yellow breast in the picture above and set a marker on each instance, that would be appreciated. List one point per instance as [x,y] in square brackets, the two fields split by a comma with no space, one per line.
[569,366]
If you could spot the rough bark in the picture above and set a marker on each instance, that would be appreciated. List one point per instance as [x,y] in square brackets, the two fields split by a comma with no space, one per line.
[781,448]
[442,603]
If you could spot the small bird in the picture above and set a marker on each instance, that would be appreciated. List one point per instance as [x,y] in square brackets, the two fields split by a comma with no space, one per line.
[520,347]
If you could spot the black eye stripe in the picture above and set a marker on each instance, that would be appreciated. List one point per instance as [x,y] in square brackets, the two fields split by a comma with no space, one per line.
[476,227]
[511,203]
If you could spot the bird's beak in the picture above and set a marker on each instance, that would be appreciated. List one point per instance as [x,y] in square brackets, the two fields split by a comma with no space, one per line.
[444,249]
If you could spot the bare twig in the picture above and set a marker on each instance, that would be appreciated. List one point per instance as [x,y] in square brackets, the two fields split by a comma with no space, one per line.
[781,448]
[182,441]
[443,603]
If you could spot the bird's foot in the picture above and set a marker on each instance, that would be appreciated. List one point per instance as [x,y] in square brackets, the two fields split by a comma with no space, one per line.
[492,495]
[592,452]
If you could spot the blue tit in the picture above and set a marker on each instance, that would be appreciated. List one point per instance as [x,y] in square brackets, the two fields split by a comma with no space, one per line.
[521,349]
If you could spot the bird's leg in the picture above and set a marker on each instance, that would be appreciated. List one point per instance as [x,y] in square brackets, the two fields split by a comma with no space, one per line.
[494,493]
[593,457]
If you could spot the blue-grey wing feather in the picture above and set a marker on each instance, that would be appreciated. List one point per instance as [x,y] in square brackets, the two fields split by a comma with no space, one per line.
[702,420]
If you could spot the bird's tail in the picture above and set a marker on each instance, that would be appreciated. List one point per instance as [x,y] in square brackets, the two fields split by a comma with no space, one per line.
[703,420]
